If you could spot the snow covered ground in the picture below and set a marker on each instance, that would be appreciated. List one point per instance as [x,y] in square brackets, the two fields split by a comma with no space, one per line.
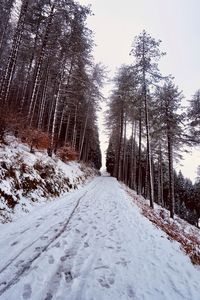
[92,244]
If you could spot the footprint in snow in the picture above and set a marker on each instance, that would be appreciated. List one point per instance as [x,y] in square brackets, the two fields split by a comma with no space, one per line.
[107,282]
[27,291]
[20,262]
[24,231]
[123,262]
[86,245]
[64,258]
[43,238]
[103,283]
[84,235]
[14,243]
[48,296]
[38,248]
[51,260]
[101,267]
[68,276]
[3,283]
[57,245]
[110,247]
[130,292]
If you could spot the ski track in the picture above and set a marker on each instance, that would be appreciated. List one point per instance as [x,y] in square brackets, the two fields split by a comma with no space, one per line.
[92,245]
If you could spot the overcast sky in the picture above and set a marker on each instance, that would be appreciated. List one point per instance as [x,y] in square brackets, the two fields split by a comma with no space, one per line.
[175,22]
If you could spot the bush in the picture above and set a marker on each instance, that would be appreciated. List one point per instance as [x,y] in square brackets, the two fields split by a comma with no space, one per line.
[36,139]
[66,153]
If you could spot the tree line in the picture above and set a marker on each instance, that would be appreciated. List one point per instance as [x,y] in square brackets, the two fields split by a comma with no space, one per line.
[50,85]
[149,129]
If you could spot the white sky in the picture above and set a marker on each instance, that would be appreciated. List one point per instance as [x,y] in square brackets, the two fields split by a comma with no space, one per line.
[175,22]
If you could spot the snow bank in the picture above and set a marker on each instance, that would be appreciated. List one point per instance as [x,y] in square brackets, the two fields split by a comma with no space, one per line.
[187,235]
[27,179]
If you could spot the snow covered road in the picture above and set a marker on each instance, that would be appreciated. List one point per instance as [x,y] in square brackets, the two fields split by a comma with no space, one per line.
[92,244]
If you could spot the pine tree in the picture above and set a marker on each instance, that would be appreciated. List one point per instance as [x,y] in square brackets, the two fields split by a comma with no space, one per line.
[168,101]
[146,52]
[194,118]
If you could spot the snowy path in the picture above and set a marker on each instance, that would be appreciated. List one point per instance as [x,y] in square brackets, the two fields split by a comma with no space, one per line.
[92,245]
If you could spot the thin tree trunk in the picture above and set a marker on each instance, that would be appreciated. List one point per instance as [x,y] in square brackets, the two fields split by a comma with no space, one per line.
[124,154]
[53,133]
[171,174]
[10,68]
[4,32]
[131,158]
[146,180]
[74,129]
[61,122]
[160,176]
[43,100]
[134,158]
[27,80]
[40,63]
[83,135]
[118,165]
[150,175]
[67,128]
[139,181]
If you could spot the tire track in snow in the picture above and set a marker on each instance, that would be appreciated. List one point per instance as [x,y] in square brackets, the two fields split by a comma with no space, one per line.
[67,270]
[27,266]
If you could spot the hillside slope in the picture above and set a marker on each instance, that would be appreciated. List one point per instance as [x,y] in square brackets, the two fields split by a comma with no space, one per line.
[28,179]
[93,244]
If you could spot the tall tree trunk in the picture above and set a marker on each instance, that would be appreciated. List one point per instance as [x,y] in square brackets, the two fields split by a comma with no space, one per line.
[55,115]
[160,176]
[5,27]
[10,68]
[146,179]
[150,175]
[74,128]
[61,122]
[171,174]
[139,180]
[131,158]
[43,100]
[27,80]
[40,63]
[118,160]
[124,154]
[83,135]
[67,127]
[134,158]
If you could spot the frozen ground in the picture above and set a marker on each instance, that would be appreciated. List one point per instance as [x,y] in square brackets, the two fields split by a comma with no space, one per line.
[92,244]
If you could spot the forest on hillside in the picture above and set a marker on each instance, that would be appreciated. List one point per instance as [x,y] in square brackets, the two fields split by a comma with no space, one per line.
[50,85]
[149,131]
